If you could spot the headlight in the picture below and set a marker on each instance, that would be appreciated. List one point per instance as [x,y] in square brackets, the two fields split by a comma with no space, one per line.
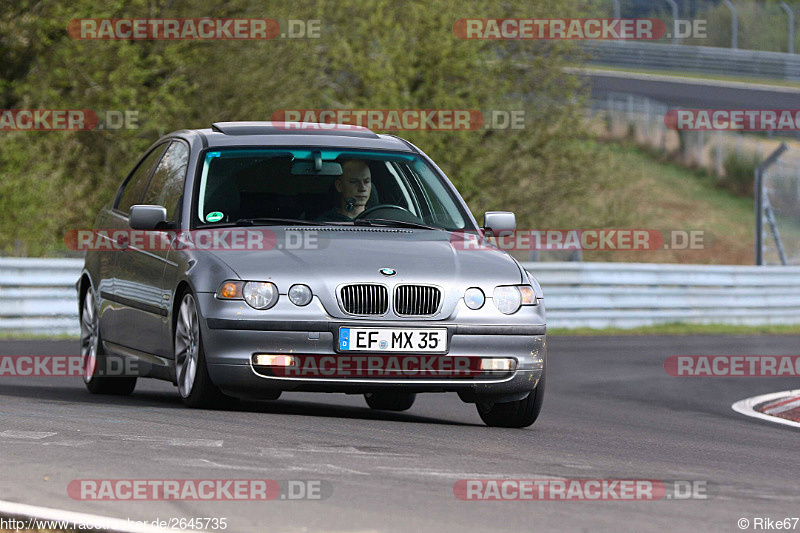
[507,299]
[474,298]
[300,295]
[260,294]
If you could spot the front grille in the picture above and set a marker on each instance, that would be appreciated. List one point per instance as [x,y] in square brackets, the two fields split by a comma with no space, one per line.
[365,299]
[416,300]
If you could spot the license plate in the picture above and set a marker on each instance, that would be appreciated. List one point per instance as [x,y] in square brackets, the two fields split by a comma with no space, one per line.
[392,340]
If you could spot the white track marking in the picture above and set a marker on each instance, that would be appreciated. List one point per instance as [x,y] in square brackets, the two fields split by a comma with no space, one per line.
[348,450]
[746,407]
[36,435]
[399,470]
[170,441]
[21,511]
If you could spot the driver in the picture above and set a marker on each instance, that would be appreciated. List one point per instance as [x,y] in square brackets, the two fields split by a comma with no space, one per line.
[354,187]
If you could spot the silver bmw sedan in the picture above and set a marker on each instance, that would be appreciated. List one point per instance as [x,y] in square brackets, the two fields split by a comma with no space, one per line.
[255,258]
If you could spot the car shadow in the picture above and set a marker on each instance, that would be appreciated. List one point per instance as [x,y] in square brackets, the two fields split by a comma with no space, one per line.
[158,399]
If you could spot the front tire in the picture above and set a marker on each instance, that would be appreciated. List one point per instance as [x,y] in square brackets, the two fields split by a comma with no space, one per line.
[93,358]
[194,384]
[390,400]
[518,414]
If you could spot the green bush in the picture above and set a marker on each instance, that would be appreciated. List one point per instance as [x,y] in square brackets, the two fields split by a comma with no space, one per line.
[740,173]
[371,55]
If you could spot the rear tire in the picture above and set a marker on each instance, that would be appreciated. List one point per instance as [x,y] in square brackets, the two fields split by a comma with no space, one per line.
[519,414]
[390,400]
[194,383]
[93,358]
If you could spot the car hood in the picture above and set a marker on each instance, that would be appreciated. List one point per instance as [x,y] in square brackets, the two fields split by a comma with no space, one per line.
[326,257]
[358,254]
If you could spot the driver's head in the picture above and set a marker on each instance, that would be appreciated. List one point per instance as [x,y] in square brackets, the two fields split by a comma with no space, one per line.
[355,182]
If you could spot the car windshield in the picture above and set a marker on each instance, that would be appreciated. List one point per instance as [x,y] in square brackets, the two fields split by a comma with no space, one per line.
[260,186]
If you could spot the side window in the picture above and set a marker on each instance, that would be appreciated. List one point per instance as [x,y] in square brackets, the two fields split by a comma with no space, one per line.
[166,185]
[133,188]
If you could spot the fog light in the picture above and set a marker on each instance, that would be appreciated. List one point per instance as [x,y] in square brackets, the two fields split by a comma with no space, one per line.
[502,364]
[265,359]
[300,295]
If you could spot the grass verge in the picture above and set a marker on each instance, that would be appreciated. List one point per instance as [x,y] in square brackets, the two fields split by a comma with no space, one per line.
[38,336]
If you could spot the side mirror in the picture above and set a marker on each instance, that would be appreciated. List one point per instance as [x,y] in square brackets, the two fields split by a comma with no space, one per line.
[499,222]
[147,217]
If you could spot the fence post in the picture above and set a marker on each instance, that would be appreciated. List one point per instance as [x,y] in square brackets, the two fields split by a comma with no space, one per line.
[630,108]
[701,142]
[759,200]
[617,15]
[734,23]
[674,5]
[789,12]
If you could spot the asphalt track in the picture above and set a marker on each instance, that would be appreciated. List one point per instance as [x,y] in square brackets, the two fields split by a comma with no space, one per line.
[692,92]
[611,412]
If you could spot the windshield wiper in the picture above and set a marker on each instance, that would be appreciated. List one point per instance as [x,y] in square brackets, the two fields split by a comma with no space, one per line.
[385,222]
[275,221]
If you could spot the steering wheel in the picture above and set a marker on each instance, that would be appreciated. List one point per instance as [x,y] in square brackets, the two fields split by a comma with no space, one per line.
[389,207]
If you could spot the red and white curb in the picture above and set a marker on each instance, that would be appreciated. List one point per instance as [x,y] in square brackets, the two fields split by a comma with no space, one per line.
[778,407]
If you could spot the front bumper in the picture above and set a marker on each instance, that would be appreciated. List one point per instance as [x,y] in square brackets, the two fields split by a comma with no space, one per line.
[231,342]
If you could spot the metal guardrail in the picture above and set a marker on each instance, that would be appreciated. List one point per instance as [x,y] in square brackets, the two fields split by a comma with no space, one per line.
[702,59]
[625,295]
[37,296]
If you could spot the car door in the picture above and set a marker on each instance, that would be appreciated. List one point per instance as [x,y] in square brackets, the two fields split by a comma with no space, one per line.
[115,317]
[167,189]
[141,268]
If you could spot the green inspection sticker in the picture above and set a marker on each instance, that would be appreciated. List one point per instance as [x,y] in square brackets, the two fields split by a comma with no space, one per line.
[214,216]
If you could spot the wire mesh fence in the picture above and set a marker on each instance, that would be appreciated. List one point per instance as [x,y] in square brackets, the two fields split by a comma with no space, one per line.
[741,24]
[642,119]
[732,157]
[780,210]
